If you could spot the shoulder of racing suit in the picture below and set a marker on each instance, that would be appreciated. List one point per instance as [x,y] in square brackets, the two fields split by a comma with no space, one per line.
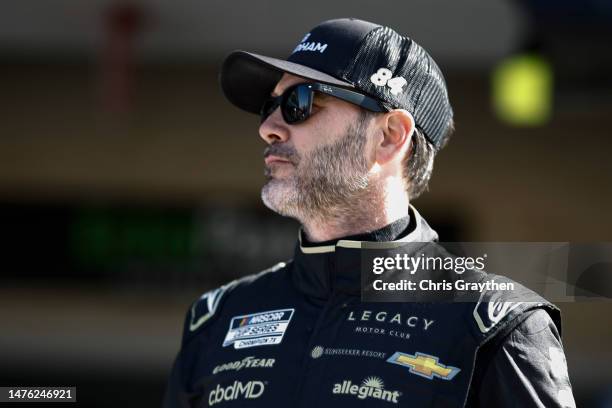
[207,307]
[497,313]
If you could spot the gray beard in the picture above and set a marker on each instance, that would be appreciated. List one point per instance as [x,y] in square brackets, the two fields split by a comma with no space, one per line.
[328,184]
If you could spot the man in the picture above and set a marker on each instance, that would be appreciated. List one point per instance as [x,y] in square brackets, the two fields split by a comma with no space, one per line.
[352,121]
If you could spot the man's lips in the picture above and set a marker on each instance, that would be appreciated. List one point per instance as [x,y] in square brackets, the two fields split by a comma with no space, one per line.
[276,160]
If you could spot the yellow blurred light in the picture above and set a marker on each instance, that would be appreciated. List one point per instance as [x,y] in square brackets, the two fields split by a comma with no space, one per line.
[523,90]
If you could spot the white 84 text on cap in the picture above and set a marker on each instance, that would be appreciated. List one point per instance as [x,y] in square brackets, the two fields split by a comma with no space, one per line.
[383,77]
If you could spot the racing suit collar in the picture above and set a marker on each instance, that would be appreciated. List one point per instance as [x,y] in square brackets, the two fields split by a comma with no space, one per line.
[389,232]
[318,271]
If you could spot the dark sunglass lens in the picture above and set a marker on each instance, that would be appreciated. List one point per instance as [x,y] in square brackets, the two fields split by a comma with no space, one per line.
[296,107]
[268,108]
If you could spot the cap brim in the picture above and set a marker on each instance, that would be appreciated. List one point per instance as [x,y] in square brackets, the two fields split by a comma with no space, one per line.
[247,79]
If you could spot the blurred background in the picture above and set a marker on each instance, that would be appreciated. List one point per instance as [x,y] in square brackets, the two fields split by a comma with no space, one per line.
[129,186]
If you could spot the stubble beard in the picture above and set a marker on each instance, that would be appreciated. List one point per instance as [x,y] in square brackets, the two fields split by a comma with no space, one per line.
[328,184]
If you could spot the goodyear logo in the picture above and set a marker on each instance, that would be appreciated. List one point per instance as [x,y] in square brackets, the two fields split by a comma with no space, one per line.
[424,365]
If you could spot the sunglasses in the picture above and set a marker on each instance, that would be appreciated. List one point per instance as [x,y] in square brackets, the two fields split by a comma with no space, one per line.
[296,101]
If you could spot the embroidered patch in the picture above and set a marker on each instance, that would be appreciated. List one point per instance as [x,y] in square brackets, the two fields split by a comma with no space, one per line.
[487,314]
[258,329]
[209,303]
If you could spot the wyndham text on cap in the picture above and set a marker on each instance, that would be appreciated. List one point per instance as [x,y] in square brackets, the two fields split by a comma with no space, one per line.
[355,54]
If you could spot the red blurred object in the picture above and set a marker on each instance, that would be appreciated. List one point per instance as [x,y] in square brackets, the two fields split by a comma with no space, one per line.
[122,22]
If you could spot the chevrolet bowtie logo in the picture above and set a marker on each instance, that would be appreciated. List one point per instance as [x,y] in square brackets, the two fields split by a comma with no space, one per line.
[424,365]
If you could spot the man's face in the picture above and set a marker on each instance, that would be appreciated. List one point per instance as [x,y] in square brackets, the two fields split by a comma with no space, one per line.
[317,167]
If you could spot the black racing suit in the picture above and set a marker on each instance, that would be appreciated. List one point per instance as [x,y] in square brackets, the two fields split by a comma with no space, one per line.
[298,335]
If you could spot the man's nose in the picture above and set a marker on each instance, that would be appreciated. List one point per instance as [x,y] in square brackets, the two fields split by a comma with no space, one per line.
[274,129]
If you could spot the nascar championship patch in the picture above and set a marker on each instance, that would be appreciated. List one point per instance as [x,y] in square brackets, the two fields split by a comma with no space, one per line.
[258,329]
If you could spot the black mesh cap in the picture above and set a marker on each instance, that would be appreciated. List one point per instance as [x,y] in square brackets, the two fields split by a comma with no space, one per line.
[356,54]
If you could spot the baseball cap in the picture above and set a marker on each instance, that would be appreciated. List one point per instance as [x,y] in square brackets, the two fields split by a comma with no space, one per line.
[356,54]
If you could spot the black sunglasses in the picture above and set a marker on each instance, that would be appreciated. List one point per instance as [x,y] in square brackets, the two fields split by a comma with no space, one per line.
[296,101]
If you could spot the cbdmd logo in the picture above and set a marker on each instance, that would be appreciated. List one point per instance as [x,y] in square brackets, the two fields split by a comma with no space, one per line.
[238,390]
[258,329]
[371,387]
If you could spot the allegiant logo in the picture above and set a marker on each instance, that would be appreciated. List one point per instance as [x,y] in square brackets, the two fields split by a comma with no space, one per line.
[371,387]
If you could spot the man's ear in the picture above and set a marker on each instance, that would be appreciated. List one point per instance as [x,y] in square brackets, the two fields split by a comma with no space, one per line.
[397,127]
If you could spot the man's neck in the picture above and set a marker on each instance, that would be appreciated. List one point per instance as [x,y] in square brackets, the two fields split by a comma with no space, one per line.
[369,216]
